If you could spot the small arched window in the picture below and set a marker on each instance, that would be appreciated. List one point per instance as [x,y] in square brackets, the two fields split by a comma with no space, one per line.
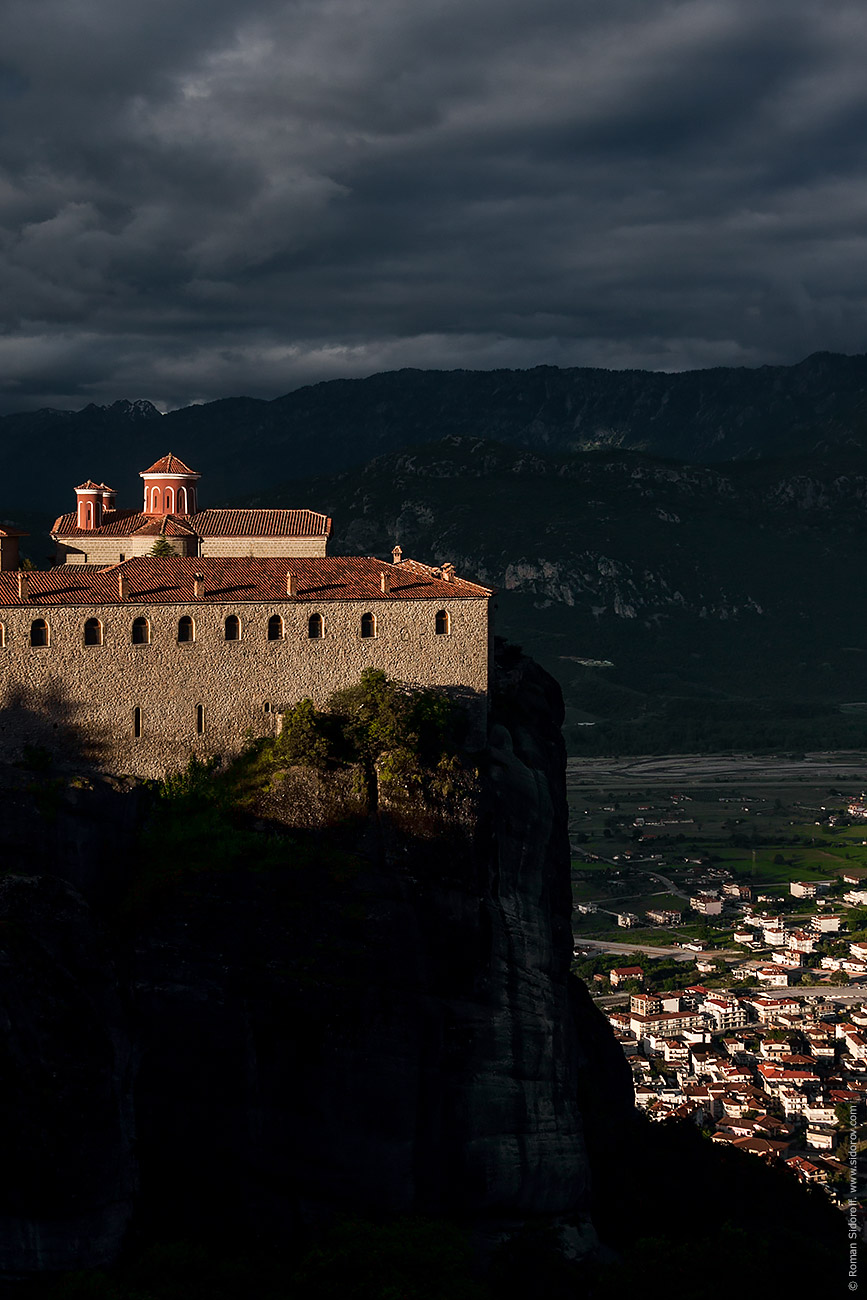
[155,501]
[368,625]
[186,629]
[39,633]
[136,721]
[275,628]
[170,505]
[93,632]
[233,628]
[141,631]
[182,501]
[315,627]
[442,623]
[200,719]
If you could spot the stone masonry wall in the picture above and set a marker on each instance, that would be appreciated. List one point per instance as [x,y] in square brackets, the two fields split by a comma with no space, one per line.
[243,546]
[109,550]
[78,701]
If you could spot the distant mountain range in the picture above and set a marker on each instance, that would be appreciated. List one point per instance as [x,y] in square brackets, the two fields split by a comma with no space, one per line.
[685,552]
[241,444]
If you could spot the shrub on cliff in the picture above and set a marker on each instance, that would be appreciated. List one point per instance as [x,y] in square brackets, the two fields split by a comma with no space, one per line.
[304,738]
[389,734]
[403,735]
[396,735]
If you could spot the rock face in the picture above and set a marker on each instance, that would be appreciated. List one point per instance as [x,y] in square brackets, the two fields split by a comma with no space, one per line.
[66,1068]
[366,1007]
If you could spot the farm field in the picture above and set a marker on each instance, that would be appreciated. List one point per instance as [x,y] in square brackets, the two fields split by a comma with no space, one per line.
[633,901]
[767,821]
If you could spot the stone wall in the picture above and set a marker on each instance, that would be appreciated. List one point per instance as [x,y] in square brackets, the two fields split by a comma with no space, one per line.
[79,701]
[244,546]
[111,550]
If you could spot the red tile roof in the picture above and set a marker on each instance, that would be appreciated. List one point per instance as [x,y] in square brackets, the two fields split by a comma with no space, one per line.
[761,1146]
[207,523]
[261,523]
[126,523]
[169,465]
[170,580]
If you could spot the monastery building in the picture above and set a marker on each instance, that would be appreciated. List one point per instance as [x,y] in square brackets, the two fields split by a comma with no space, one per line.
[134,662]
[98,533]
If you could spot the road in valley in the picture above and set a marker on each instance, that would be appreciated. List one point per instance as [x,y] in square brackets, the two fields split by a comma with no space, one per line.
[651,950]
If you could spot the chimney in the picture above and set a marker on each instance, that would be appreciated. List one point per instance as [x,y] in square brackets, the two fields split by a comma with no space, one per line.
[23,586]
[384,583]
[290,584]
[198,585]
[121,586]
[397,555]
[449,572]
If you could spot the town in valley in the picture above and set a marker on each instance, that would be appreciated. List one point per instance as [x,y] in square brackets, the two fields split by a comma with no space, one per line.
[720,919]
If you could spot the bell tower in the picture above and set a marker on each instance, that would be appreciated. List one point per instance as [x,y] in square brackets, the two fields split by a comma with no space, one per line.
[170,487]
[89,497]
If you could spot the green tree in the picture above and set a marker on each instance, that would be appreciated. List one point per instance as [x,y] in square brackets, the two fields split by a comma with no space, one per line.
[403,735]
[303,738]
[162,547]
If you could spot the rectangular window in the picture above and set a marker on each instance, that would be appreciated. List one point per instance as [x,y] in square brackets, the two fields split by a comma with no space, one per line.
[136,721]
[200,719]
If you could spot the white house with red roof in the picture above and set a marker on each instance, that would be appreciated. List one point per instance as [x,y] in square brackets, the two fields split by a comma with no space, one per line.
[98,533]
[773,976]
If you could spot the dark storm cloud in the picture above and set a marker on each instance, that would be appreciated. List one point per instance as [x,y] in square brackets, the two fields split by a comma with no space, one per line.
[200,198]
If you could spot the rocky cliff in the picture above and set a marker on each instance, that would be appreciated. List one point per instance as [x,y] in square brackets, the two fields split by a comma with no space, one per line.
[330,1002]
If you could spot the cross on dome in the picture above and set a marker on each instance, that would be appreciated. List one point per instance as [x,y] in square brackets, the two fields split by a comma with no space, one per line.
[169,464]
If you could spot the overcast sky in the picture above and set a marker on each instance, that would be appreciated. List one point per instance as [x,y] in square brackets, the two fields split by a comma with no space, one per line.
[208,197]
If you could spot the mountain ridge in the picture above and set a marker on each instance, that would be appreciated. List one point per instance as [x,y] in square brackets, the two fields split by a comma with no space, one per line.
[706,416]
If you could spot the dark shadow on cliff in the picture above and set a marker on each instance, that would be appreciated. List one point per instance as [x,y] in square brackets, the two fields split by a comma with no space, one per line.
[705,1221]
[66,1066]
[61,815]
[49,722]
[347,999]
[343,1004]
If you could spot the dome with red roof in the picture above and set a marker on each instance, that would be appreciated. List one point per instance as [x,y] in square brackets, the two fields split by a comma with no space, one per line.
[169,487]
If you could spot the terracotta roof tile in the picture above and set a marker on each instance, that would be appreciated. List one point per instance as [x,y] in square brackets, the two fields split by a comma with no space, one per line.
[169,464]
[126,523]
[261,523]
[169,580]
[207,523]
